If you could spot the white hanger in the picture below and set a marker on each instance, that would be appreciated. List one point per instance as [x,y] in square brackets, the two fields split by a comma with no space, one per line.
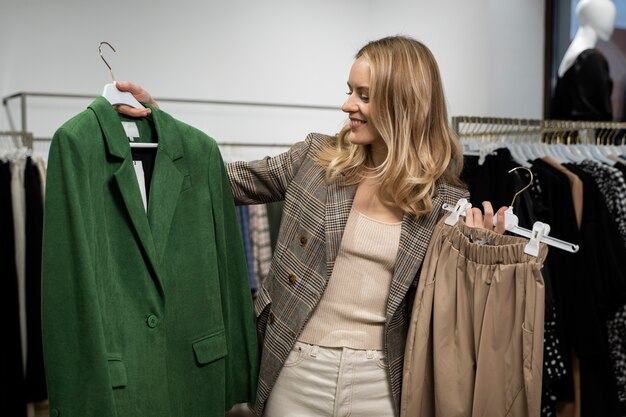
[115,96]
[597,155]
[111,92]
[566,152]
[474,147]
[547,150]
[529,150]
[539,233]
[143,144]
[518,154]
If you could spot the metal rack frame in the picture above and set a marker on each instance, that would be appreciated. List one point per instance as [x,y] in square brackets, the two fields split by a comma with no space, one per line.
[23,96]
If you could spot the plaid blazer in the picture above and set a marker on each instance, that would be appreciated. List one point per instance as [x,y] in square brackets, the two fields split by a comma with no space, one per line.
[314,216]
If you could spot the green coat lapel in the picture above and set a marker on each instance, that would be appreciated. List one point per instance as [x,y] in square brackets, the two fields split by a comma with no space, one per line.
[125,178]
[168,180]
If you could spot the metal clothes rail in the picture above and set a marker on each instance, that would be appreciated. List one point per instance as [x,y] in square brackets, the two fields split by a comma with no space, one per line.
[22,96]
[225,144]
[545,130]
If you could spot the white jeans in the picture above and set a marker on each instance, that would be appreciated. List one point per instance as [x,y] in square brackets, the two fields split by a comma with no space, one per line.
[334,382]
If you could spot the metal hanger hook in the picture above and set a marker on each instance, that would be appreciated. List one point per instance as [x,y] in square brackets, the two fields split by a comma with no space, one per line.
[105,61]
[527,185]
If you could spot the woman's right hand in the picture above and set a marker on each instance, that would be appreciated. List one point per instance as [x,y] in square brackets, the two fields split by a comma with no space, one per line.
[140,94]
[474,218]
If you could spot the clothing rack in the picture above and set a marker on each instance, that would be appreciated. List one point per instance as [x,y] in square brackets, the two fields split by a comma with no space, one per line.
[541,130]
[22,96]
[33,139]
[19,139]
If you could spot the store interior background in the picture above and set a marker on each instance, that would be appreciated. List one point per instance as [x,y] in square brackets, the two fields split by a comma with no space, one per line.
[490,53]
[492,56]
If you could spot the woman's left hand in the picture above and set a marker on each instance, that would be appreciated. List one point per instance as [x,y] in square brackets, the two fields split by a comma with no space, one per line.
[474,218]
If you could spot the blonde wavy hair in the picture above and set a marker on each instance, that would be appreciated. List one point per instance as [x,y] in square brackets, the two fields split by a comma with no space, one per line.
[408,109]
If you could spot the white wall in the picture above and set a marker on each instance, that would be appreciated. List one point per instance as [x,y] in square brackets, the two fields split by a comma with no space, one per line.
[490,54]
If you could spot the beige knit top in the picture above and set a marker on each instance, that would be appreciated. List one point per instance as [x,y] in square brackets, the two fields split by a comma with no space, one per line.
[352,310]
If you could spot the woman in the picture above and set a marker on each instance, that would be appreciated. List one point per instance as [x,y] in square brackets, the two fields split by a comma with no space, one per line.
[359,211]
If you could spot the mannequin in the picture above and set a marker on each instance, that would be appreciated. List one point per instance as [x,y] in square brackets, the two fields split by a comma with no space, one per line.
[583,89]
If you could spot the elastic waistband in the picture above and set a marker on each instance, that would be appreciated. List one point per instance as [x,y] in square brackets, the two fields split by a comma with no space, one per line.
[487,247]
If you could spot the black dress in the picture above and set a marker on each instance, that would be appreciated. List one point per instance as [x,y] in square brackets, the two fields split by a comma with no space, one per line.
[584,91]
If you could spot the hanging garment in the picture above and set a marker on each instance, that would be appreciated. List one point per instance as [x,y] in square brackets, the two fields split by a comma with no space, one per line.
[560,269]
[598,290]
[12,395]
[144,314]
[475,341]
[18,201]
[610,182]
[42,175]
[243,218]
[260,240]
[35,375]
[489,181]
[549,200]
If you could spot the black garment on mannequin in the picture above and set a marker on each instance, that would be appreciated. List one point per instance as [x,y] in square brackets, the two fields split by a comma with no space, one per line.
[584,91]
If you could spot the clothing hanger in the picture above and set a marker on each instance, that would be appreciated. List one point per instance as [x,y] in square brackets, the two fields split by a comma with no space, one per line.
[539,232]
[518,154]
[596,155]
[14,149]
[548,150]
[115,96]
[111,92]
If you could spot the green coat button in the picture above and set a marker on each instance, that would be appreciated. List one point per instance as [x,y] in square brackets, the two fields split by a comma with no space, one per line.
[152,321]
[54,413]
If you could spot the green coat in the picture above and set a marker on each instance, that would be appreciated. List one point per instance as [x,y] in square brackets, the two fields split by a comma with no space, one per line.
[144,314]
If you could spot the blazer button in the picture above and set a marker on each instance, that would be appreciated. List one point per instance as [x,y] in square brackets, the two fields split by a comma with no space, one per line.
[152,321]
[271,318]
[303,240]
[292,278]
[54,413]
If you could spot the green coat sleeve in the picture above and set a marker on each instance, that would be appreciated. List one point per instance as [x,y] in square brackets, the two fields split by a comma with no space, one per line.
[73,336]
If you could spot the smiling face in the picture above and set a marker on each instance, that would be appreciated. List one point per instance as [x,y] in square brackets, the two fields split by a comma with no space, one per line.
[358,107]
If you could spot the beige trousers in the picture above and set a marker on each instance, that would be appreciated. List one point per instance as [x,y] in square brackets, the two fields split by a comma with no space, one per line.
[475,341]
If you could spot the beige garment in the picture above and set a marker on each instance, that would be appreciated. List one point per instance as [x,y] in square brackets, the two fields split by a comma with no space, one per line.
[352,310]
[475,341]
[41,165]
[576,186]
[616,159]
[18,204]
